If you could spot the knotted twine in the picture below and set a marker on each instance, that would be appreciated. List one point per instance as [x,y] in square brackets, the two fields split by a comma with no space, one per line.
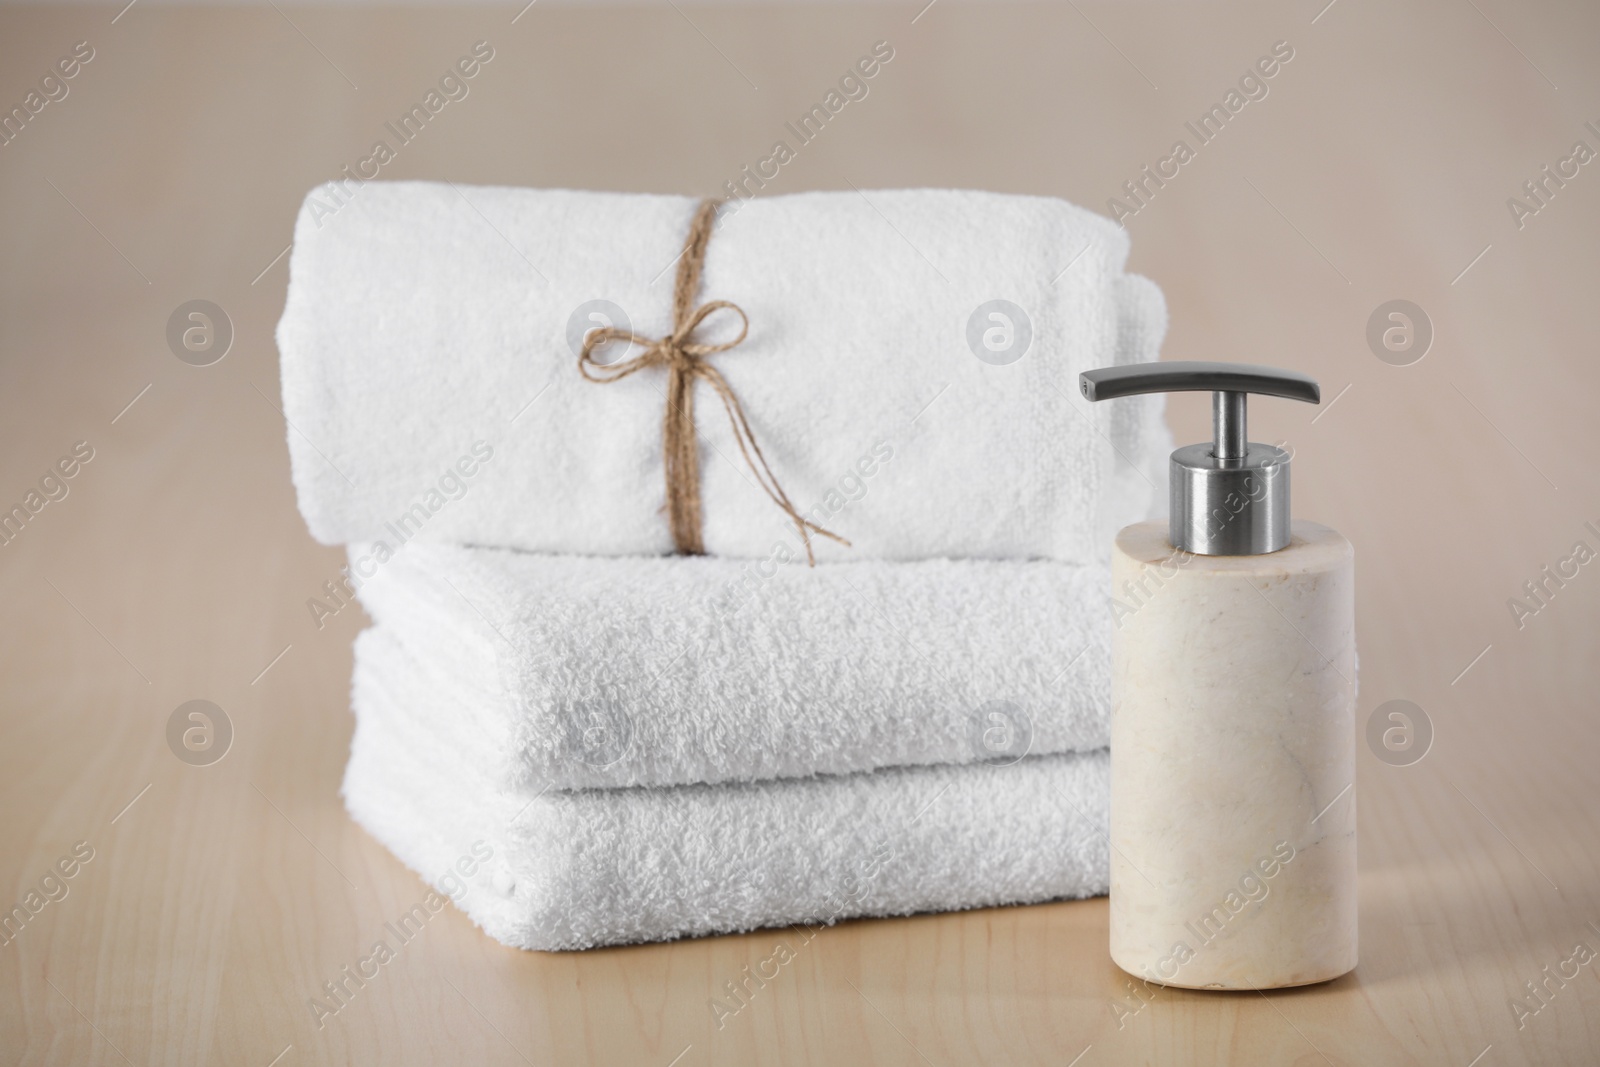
[685,360]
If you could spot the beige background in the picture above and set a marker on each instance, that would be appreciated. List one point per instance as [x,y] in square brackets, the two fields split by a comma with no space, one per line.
[1377,168]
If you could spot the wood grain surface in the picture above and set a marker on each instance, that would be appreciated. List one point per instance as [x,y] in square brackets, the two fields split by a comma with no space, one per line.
[1377,167]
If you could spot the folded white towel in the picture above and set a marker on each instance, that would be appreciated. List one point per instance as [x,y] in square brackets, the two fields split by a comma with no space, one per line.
[595,867]
[431,385]
[578,671]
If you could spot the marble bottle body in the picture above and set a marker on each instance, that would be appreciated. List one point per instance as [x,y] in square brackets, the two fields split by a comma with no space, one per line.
[1233,850]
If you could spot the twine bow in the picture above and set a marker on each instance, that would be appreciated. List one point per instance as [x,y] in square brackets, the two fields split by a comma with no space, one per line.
[685,360]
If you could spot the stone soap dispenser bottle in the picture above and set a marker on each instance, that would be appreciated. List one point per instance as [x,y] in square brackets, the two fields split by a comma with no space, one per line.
[1233,824]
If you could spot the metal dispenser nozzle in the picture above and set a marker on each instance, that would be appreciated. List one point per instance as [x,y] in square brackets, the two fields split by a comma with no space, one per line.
[1229,497]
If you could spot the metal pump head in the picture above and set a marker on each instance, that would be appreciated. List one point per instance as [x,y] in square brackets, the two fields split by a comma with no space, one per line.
[1229,497]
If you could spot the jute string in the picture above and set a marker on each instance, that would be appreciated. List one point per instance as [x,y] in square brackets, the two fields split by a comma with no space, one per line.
[685,360]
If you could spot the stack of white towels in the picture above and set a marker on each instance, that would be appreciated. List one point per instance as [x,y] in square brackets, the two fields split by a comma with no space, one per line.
[586,740]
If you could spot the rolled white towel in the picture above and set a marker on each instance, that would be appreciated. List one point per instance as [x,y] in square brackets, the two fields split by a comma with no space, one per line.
[572,870]
[431,385]
[587,672]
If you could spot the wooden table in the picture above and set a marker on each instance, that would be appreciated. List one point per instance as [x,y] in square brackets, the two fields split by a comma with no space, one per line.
[1377,167]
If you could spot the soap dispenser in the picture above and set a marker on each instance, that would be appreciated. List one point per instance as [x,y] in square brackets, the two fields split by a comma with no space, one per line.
[1233,819]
